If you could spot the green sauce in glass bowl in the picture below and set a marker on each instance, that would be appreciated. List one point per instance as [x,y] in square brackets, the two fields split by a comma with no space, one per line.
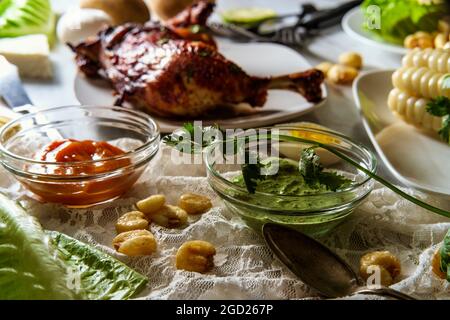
[289,182]
[284,197]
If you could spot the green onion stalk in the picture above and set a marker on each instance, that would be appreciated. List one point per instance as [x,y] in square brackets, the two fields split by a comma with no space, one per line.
[169,141]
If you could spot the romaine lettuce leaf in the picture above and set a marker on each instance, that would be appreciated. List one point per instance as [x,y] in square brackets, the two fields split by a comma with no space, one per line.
[28,267]
[99,276]
[39,265]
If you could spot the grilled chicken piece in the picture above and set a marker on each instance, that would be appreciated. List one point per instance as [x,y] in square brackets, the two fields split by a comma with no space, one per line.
[173,71]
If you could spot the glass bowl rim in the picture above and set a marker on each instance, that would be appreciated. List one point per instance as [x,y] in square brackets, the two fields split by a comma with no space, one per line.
[318,211]
[370,155]
[150,141]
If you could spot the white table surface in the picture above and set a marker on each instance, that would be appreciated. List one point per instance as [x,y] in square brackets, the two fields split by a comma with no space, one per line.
[339,113]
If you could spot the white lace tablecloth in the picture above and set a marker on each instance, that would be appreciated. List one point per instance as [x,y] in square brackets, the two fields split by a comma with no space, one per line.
[244,267]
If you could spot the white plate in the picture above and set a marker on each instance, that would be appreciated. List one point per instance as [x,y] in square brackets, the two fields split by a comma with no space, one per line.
[7,112]
[413,157]
[352,24]
[257,59]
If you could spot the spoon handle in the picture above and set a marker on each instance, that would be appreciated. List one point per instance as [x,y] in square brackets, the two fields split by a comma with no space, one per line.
[385,292]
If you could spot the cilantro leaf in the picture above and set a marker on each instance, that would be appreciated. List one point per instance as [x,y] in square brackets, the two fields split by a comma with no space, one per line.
[177,140]
[251,171]
[445,130]
[189,127]
[312,171]
[334,181]
[186,140]
[309,166]
[440,107]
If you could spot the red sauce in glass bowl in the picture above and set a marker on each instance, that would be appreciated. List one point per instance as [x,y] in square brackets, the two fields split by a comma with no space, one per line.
[73,160]
[70,150]
[79,173]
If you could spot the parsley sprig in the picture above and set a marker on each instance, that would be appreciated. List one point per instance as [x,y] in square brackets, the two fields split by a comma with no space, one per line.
[185,138]
[310,167]
[440,107]
[314,175]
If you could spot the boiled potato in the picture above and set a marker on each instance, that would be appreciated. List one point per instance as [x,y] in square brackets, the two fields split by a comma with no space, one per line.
[420,39]
[351,59]
[325,67]
[121,11]
[340,74]
[444,26]
[166,9]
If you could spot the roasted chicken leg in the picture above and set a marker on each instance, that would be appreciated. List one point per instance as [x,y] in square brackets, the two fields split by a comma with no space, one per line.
[175,70]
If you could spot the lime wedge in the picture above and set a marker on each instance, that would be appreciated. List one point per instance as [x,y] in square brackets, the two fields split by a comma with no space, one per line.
[247,16]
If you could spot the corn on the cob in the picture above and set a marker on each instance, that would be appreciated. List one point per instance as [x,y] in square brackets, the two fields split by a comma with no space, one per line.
[412,110]
[434,59]
[420,82]
[419,96]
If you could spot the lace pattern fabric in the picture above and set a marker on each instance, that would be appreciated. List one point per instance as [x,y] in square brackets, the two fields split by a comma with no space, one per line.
[244,267]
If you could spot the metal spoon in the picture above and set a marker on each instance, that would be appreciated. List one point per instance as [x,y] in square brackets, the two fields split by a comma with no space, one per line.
[317,266]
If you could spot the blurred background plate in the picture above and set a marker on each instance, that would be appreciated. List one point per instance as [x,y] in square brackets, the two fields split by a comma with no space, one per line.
[352,24]
[257,59]
[413,157]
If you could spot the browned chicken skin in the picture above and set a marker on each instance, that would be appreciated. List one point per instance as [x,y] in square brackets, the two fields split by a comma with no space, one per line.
[173,71]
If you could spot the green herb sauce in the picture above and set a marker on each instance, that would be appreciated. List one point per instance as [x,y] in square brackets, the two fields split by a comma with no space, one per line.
[289,182]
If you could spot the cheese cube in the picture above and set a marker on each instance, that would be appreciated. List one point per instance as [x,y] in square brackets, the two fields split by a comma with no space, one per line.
[30,54]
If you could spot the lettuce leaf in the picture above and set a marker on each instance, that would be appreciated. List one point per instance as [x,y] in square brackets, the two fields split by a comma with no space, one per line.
[28,267]
[24,17]
[47,265]
[400,18]
[100,276]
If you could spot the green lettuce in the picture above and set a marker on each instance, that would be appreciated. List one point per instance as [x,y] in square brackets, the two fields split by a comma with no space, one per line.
[24,17]
[100,275]
[400,18]
[39,265]
[29,268]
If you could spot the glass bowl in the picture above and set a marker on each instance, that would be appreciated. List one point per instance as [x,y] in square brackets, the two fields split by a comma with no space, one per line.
[310,213]
[75,183]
